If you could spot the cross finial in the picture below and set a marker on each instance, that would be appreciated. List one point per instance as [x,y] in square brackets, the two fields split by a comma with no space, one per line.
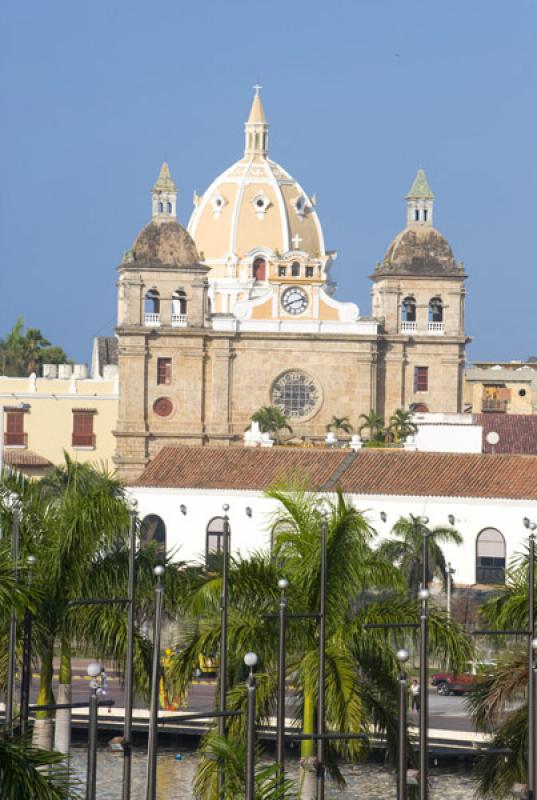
[257,88]
[296,240]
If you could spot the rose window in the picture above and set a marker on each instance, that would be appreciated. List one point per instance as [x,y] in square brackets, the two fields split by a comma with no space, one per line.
[295,394]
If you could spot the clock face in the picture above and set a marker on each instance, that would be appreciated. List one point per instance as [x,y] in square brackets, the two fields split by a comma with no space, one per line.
[294,300]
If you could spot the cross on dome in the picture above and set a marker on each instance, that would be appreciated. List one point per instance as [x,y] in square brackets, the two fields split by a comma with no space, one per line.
[297,240]
[257,88]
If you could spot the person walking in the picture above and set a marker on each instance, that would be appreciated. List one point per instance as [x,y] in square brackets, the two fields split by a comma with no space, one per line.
[415,692]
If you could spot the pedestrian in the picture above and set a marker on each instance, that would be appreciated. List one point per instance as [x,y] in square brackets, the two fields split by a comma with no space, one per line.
[415,692]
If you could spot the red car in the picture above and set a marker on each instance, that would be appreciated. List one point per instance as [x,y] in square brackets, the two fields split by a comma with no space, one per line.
[452,683]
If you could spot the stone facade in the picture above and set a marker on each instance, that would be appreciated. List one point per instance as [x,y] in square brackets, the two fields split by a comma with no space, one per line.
[203,346]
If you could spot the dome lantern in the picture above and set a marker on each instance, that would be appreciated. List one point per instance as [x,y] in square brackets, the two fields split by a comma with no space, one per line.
[164,197]
[256,129]
[420,201]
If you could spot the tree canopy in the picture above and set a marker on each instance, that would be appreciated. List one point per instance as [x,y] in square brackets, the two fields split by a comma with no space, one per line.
[23,352]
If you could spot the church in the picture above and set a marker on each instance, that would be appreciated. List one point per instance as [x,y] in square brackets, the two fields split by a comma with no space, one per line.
[237,311]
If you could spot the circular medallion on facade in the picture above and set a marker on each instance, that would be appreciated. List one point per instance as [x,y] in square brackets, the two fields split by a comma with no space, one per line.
[295,300]
[296,394]
[163,407]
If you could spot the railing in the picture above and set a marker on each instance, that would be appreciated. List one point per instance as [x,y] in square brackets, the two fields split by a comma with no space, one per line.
[152,320]
[408,327]
[83,440]
[492,404]
[179,320]
[15,439]
[436,328]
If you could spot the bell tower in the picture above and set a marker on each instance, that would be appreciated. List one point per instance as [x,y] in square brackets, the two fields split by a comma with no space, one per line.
[164,197]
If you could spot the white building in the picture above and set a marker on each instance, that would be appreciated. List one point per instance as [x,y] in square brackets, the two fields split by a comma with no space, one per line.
[183,490]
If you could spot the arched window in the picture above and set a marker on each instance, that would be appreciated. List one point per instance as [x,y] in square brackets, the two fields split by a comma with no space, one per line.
[153,532]
[260,269]
[436,310]
[152,302]
[169,208]
[179,304]
[490,556]
[161,208]
[408,310]
[416,215]
[214,542]
[419,408]
[295,269]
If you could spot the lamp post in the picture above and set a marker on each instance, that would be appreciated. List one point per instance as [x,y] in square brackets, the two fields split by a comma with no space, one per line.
[26,654]
[322,647]
[283,583]
[402,657]
[151,783]
[98,686]
[250,659]
[424,595]
[12,643]
[532,696]
[449,572]
[129,665]
[223,640]
[533,716]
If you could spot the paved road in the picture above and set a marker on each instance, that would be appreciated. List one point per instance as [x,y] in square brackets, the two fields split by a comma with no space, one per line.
[446,713]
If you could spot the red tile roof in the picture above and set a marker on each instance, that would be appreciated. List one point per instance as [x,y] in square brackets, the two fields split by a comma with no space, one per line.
[517,432]
[393,472]
[25,458]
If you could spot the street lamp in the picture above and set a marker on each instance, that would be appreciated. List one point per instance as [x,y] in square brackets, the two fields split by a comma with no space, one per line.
[283,583]
[322,648]
[250,659]
[98,685]
[449,572]
[14,502]
[423,596]
[26,653]
[402,657]
[129,665]
[532,692]
[223,640]
[151,784]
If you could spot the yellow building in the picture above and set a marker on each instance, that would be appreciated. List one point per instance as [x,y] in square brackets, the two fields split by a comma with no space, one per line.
[45,417]
[504,387]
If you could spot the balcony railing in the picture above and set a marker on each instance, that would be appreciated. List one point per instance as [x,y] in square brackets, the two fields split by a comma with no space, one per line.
[436,328]
[492,404]
[83,440]
[179,320]
[408,327]
[15,439]
[152,320]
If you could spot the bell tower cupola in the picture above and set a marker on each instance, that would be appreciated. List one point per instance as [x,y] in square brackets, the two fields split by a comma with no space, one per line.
[420,201]
[256,129]
[164,197]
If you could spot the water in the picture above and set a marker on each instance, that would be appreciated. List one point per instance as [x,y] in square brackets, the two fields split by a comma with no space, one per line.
[174,778]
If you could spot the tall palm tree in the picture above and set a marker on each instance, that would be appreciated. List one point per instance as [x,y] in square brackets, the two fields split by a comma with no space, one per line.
[498,703]
[271,420]
[406,550]
[373,423]
[401,425]
[339,424]
[361,687]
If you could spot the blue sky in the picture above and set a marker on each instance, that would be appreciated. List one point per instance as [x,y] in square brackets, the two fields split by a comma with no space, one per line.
[358,93]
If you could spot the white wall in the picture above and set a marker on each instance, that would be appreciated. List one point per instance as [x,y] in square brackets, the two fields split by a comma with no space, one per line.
[186,533]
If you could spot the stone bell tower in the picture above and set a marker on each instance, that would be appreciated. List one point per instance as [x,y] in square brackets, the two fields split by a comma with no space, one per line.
[418,294]
[162,316]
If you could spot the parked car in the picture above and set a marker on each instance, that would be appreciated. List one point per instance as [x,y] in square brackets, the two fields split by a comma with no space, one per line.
[460,683]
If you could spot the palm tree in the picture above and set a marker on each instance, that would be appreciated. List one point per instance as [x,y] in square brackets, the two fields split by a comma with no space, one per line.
[271,420]
[374,423]
[25,773]
[34,344]
[361,687]
[401,425]
[406,550]
[498,703]
[339,424]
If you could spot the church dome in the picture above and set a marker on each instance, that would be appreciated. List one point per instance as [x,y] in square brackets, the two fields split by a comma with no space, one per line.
[419,250]
[255,205]
[164,244]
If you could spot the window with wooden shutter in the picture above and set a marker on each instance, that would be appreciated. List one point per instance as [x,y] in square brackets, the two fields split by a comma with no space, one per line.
[421,379]
[14,435]
[164,371]
[83,435]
